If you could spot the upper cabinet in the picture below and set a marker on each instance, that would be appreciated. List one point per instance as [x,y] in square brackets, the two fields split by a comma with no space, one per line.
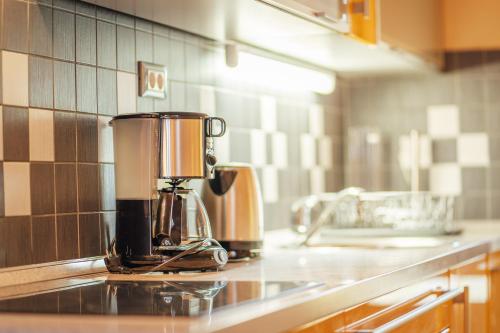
[471,25]
[347,36]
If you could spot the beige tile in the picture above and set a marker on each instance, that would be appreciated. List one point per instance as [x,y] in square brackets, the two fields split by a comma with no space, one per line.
[1,133]
[15,78]
[270,183]
[316,120]
[41,124]
[317,180]
[105,140]
[16,177]
[127,92]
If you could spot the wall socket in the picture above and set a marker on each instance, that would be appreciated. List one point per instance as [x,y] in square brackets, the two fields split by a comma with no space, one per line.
[152,80]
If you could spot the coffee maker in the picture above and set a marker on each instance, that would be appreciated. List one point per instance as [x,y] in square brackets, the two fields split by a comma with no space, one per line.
[161,223]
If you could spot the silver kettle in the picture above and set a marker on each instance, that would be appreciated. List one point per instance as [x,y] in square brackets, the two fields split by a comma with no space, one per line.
[234,205]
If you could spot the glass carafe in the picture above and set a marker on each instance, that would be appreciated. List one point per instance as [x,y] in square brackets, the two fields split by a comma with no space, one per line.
[181,218]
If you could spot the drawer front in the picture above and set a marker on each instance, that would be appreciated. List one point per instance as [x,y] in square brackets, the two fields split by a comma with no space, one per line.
[474,275]
[494,289]
[330,324]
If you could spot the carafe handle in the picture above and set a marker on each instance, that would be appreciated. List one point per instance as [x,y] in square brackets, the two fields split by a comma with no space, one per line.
[210,127]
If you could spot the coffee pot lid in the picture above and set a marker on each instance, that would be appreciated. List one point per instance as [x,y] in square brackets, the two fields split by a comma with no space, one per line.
[173,114]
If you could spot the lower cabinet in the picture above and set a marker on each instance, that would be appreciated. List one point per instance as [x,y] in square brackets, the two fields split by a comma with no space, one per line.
[464,299]
[494,292]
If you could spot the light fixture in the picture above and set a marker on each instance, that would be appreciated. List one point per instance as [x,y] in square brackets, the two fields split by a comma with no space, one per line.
[275,74]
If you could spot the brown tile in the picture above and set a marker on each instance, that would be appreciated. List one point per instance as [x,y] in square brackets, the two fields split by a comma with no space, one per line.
[106,91]
[106,44]
[86,40]
[108,229]
[15,134]
[66,200]
[2,200]
[87,148]
[67,237]
[88,184]
[15,25]
[64,35]
[42,188]
[15,241]
[107,186]
[89,235]
[43,229]
[64,86]
[40,82]
[86,87]
[40,30]
[65,136]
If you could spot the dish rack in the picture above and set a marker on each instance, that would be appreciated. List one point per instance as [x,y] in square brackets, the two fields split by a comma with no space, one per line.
[356,212]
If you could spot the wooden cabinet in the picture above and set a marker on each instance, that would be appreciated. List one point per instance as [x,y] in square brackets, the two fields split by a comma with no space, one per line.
[464,299]
[471,25]
[474,275]
[428,306]
[494,292]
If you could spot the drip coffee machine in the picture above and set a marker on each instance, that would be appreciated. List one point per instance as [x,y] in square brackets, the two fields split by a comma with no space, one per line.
[161,223]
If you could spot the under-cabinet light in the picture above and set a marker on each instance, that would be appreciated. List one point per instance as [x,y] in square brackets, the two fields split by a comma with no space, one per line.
[255,69]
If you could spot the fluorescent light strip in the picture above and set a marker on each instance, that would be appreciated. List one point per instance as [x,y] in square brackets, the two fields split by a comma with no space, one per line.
[279,75]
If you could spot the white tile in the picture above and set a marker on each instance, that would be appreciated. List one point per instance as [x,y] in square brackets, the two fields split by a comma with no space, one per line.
[280,150]
[207,100]
[16,178]
[41,135]
[105,140]
[268,117]
[425,152]
[223,147]
[443,121]
[15,78]
[307,151]
[473,150]
[1,133]
[258,147]
[325,152]
[270,184]
[404,152]
[445,179]
[317,180]
[316,120]
[127,92]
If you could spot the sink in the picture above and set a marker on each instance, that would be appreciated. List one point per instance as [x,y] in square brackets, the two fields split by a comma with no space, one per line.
[382,242]
[381,238]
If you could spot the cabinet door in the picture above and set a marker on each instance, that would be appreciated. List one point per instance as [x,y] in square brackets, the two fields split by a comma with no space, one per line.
[471,25]
[494,296]
[330,324]
[422,307]
[474,275]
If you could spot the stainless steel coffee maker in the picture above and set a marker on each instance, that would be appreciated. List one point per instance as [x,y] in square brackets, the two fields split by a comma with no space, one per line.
[161,223]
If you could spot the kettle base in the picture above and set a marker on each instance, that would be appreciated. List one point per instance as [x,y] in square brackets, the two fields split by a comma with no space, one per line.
[242,249]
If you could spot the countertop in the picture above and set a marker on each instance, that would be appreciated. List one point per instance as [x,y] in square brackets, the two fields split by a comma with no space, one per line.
[349,276]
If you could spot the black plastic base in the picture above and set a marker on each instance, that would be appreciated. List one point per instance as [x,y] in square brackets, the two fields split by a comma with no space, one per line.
[209,258]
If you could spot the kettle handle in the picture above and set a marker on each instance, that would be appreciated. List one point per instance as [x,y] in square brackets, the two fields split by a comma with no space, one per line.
[210,127]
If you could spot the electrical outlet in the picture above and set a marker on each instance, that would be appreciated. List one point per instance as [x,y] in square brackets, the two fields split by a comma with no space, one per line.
[152,80]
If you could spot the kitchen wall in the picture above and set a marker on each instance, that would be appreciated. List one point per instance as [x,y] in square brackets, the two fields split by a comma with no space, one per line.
[68,67]
[457,114]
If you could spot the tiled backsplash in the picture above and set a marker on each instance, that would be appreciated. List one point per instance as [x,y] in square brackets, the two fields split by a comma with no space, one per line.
[457,114]
[67,67]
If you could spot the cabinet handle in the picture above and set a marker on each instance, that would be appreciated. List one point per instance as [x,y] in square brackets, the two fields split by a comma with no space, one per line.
[459,295]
